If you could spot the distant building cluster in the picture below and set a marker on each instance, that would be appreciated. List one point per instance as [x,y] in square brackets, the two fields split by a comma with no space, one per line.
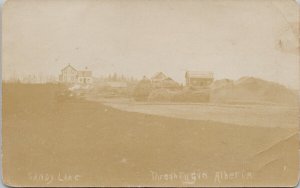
[160,87]
[70,75]
[194,79]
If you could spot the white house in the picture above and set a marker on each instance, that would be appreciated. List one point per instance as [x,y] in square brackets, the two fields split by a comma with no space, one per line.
[70,75]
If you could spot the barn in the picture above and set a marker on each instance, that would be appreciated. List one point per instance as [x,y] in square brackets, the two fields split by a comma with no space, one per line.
[161,80]
[197,79]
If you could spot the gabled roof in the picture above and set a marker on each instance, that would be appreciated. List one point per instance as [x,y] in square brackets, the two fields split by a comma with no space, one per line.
[68,67]
[170,80]
[159,76]
[199,74]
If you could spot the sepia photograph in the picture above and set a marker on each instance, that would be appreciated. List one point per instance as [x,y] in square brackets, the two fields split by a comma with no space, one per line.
[150,93]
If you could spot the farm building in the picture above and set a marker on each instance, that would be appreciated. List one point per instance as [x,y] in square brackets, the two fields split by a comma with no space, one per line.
[84,77]
[196,79]
[70,75]
[160,80]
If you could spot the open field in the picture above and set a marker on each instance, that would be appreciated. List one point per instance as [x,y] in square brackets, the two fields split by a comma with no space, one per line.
[110,147]
[261,115]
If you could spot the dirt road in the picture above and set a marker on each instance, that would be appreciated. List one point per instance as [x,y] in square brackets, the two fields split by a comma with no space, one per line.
[246,115]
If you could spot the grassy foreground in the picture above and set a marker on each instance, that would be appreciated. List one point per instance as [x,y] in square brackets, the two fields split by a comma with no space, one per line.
[75,142]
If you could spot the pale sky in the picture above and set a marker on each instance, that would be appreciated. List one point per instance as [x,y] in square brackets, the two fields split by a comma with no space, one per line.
[136,37]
